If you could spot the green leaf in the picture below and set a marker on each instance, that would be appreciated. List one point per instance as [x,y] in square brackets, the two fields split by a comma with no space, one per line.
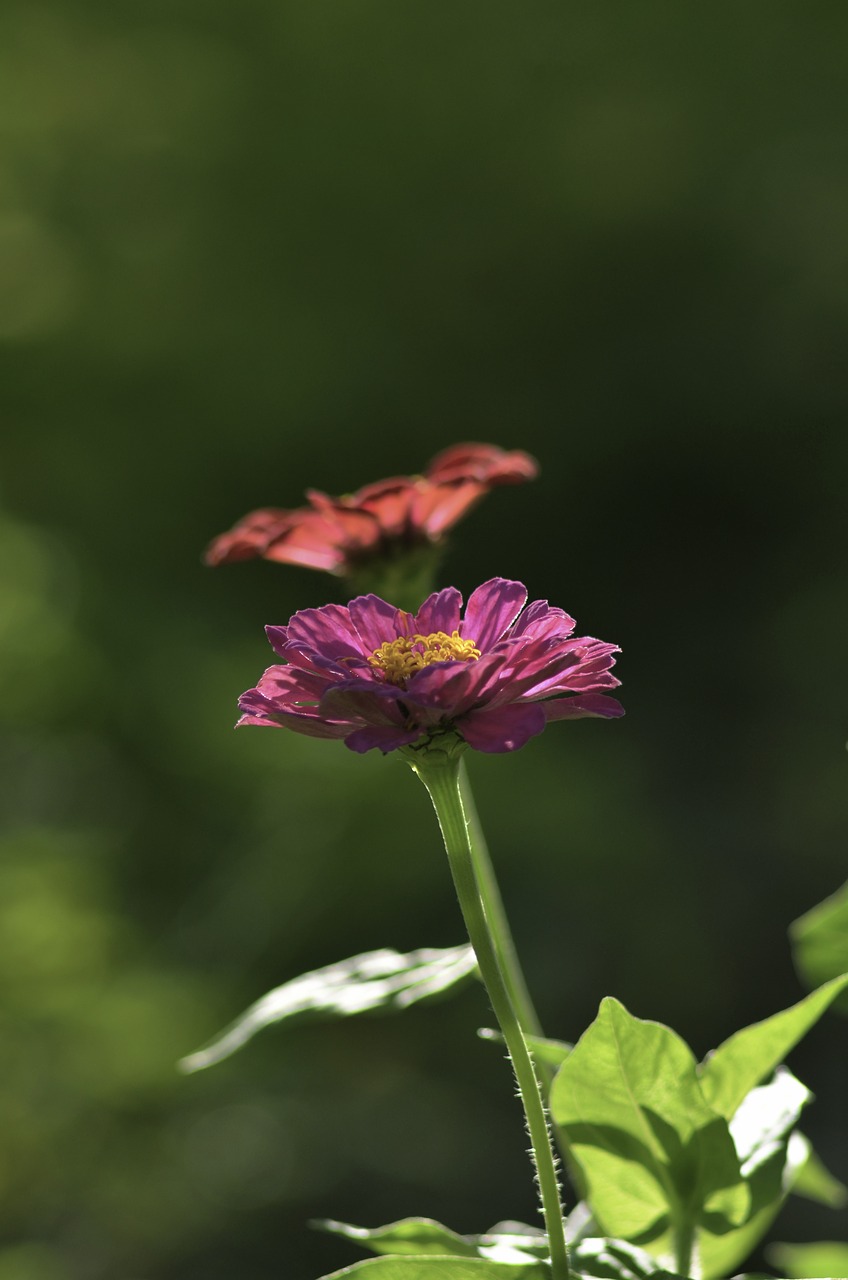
[510,1243]
[825,1259]
[820,942]
[771,1157]
[375,981]
[813,1181]
[419,1236]
[441,1268]
[738,1065]
[659,1162]
[447,1268]
[614,1260]
[654,1156]
[552,1053]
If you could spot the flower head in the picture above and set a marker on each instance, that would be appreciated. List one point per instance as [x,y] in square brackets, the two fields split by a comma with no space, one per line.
[389,517]
[377,676]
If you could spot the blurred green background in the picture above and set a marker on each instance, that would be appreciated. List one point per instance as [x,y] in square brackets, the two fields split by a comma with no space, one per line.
[246,249]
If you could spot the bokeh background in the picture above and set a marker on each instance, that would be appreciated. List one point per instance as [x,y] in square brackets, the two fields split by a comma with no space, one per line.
[249,248]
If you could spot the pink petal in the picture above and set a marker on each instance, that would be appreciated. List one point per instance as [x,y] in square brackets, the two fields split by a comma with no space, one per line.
[376,706]
[259,710]
[439,612]
[491,609]
[250,536]
[582,706]
[438,507]
[484,462]
[390,503]
[277,638]
[386,739]
[376,621]
[327,630]
[453,687]
[502,728]
[289,686]
[540,622]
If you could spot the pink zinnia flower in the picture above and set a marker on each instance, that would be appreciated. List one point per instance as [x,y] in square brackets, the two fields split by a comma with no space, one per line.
[381,519]
[378,676]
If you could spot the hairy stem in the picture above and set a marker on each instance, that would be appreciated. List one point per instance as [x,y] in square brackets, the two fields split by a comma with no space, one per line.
[439,772]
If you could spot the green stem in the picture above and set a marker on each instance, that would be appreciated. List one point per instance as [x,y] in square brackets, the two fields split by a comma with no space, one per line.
[683,1243]
[439,771]
[496,915]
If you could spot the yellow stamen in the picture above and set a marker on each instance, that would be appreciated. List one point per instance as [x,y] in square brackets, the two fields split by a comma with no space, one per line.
[399,659]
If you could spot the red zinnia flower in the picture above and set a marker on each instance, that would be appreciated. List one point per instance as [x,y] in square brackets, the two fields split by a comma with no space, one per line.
[381,520]
[378,676]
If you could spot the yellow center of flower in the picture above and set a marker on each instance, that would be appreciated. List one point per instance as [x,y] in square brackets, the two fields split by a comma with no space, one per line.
[399,659]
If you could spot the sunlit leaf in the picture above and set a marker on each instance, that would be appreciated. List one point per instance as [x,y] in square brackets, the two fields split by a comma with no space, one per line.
[826,1258]
[375,981]
[420,1236]
[738,1065]
[441,1268]
[512,1243]
[449,1268]
[614,1260]
[820,942]
[658,1161]
[812,1180]
[653,1154]
[770,1156]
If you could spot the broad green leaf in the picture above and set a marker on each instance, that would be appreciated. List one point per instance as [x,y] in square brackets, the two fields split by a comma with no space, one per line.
[827,1259]
[813,1180]
[507,1242]
[511,1242]
[771,1157]
[447,1268]
[765,1118]
[820,942]
[657,1158]
[375,981]
[653,1154]
[440,1268]
[419,1236]
[738,1065]
[614,1260]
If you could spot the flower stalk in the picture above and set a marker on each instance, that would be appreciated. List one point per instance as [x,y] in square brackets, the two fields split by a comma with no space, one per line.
[439,770]
[513,975]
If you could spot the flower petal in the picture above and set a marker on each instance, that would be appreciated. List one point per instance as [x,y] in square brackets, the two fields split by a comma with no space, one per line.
[491,609]
[390,503]
[439,612]
[484,462]
[376,621]
[291,687]
[258,710]
[540,622]
[582,706]
[379,705]
[327,630]
[386,739]
[250,536]
[453,687]
[502,728]
[438,507]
